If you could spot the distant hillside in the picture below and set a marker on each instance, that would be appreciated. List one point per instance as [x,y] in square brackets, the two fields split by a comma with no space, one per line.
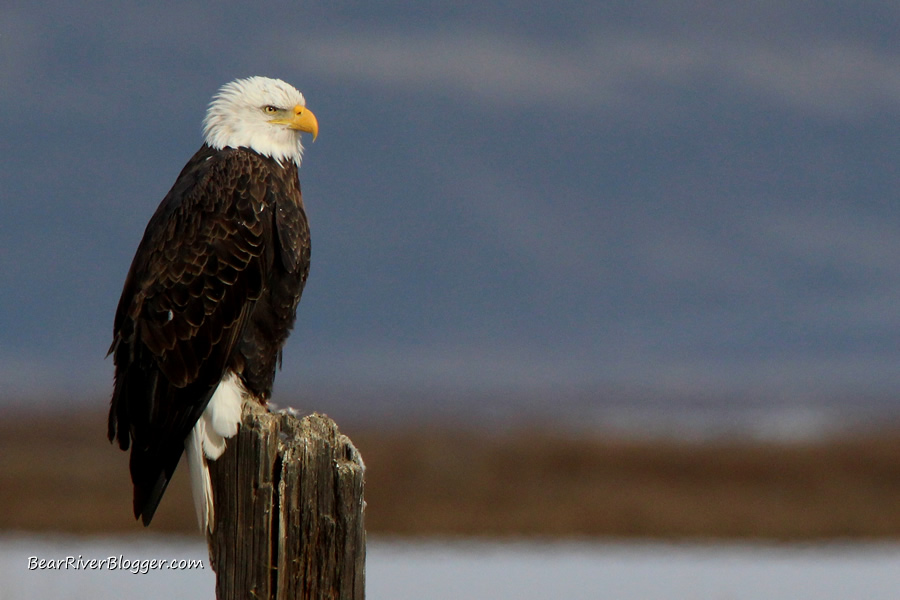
[60,474]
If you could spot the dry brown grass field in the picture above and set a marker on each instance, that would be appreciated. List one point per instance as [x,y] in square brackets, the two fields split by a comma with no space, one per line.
[60,474]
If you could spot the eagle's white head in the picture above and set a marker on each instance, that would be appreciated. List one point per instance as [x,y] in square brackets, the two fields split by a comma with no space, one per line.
[265,115]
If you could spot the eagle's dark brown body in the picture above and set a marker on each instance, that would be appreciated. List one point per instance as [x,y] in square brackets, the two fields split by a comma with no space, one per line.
[213,288]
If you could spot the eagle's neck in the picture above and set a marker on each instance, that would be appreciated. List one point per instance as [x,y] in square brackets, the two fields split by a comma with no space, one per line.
[279,143]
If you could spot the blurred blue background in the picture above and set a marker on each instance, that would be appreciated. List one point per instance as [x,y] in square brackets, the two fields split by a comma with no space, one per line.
[603,213]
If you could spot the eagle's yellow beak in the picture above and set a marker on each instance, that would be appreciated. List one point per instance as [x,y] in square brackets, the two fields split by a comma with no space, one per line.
[304,120]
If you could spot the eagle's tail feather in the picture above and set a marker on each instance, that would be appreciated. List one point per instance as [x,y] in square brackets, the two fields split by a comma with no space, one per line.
[201,485]
[219,421]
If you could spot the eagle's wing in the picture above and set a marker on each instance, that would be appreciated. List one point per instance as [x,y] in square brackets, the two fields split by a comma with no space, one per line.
[197,273]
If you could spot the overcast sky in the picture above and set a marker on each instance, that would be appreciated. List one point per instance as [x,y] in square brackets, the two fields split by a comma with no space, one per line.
[550,201]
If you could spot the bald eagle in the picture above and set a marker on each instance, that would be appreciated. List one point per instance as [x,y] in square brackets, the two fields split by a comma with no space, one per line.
[212,292]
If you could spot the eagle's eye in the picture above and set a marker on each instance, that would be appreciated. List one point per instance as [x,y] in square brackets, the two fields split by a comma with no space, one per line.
[270,110]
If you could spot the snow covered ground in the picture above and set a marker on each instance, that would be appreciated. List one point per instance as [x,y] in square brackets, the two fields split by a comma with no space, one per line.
[428,569]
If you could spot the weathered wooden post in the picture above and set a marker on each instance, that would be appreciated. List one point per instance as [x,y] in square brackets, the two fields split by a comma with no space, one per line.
[289,516]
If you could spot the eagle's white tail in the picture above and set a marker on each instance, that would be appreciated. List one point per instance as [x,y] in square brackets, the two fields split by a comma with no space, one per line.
[219,421]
